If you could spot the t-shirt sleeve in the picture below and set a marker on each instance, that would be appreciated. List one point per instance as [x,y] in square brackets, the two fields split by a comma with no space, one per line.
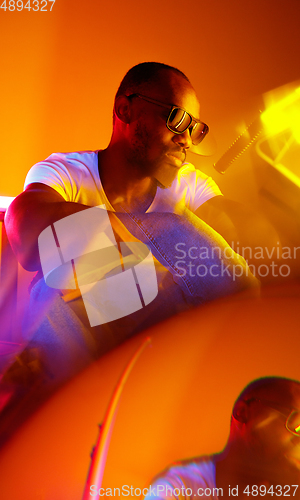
[170,486]
[54,173]
[196,187]
[181,482]
[207,191]
[203,189]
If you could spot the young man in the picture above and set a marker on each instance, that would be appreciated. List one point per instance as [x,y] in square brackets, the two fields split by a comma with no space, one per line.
[261,457]
[150,194]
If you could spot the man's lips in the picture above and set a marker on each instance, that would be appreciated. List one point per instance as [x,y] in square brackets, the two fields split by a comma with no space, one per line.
[177,155]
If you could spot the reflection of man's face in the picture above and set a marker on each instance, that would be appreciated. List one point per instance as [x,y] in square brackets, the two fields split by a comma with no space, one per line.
[272,441]
[154,148]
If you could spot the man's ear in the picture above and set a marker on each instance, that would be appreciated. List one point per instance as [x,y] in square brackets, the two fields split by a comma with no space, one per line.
[241,412]
[123,109]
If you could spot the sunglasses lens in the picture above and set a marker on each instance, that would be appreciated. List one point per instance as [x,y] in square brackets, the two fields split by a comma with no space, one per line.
[294,422]
[179,120]
[198,133]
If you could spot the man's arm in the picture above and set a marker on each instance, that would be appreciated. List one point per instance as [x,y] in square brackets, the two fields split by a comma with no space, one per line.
[29,214]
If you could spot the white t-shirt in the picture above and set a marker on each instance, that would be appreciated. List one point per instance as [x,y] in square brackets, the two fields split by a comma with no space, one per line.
[75,176]
[193,479]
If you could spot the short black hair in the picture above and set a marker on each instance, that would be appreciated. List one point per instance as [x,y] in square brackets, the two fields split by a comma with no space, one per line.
[144,73]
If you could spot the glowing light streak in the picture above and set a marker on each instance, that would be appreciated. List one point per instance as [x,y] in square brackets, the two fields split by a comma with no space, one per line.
[284,114]
[5,201]
[100,451]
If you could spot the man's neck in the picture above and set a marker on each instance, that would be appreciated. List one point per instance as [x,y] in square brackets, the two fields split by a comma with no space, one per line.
[124,185]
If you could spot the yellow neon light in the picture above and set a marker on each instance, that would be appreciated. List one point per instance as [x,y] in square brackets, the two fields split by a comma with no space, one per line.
[284,114]
[288,173]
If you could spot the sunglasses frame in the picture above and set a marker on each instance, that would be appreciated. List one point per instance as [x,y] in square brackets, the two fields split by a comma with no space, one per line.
[275,406]
[192,124]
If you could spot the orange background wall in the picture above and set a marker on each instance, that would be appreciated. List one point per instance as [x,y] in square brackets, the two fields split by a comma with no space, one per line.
[60,69]
[59,74]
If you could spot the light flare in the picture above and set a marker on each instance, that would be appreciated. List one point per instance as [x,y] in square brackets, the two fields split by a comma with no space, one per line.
[284,114]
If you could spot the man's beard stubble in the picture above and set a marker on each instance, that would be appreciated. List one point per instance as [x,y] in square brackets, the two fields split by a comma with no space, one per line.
[140,158]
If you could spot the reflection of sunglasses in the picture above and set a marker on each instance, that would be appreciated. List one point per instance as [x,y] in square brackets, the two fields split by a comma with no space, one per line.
[292,422]
[179,120]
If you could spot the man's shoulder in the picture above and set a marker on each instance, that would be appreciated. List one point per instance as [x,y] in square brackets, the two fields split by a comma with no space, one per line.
[189,172]
[194,473]
[191,179]
[68,173]
[191,470]
[80,157]
[194,465]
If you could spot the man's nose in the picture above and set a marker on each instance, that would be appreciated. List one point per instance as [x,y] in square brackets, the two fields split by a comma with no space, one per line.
[183,140]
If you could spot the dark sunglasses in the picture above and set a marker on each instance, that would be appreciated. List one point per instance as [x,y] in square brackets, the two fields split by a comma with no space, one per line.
[179,120]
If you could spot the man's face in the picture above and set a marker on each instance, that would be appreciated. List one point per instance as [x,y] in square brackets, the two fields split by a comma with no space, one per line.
[156,150]
[273,443]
